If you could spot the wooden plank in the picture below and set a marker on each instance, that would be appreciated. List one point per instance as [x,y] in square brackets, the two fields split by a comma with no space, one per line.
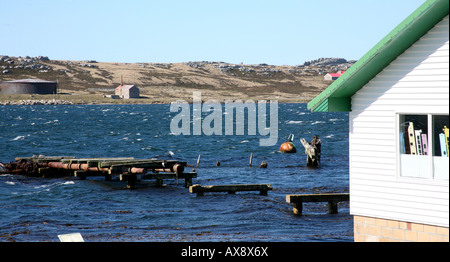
[147,163]
[158,167]
[332,199]
[98,159]
[169,175]
[337,197]
[160,176]
[43,158]
[94,162]
[199,190]
[81,174]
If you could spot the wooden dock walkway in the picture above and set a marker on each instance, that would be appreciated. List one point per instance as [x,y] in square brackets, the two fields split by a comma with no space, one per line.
[332,199]
[231,189]
[130,169]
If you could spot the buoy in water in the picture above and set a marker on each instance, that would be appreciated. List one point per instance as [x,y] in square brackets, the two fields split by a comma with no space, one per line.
[288,147]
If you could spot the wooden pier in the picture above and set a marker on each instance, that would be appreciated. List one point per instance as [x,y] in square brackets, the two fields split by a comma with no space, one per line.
[130,169]
[160,176]
[231,189]
[332,200]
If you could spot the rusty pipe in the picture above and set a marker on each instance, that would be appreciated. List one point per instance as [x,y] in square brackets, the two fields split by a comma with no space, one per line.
[74,166]
[137,170]
[177,168]
[85,167]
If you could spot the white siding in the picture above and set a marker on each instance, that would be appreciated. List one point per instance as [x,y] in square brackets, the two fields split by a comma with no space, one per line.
[416,82]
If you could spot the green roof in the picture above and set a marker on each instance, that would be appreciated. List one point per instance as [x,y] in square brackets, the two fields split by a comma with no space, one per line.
[338,95]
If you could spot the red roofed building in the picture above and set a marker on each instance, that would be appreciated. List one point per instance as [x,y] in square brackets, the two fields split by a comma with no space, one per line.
[126,91]
[333,76]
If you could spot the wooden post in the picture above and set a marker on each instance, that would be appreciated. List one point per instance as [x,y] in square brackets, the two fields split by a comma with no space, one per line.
[332,207]
[251,159]
[43,171]
[80,174]
[131,180]
[263,164]
[187,182]
[311,158]
[298,208]
[198,160]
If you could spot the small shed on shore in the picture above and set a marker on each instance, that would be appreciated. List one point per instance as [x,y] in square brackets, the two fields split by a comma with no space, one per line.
[127,91]
[397,96]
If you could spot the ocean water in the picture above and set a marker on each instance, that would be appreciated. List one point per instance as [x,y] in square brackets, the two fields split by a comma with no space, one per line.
[37,209]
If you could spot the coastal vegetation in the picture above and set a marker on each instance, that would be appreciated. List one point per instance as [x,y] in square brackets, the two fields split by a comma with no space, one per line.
[88,82]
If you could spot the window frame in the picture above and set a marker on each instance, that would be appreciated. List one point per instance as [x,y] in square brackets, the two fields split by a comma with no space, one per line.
[430,162]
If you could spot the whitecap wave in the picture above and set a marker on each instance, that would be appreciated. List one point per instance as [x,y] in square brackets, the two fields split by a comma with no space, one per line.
[294,122]
[55,184]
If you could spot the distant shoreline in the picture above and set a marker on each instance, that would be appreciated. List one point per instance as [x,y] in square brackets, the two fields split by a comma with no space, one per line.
[96,99]
[64,102]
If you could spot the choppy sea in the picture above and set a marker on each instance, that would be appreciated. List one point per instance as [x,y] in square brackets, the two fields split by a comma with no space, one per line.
[38,209]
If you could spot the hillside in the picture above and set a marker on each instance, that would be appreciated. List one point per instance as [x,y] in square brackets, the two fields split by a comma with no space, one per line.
[167,82]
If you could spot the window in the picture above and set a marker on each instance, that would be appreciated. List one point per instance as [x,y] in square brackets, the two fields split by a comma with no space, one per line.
[423,141]
[440,141]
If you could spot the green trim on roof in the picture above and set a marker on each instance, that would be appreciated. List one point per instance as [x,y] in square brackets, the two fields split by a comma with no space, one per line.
[337,97]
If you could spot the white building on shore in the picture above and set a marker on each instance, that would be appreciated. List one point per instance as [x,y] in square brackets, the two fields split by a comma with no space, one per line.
[397,96]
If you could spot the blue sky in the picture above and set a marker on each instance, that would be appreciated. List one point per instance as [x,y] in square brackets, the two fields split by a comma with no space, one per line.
[282,32]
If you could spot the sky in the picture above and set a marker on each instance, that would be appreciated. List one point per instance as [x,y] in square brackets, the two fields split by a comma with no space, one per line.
[281,32]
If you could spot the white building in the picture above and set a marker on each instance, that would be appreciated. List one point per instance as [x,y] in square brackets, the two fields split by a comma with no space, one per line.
[399,185]
[127,91]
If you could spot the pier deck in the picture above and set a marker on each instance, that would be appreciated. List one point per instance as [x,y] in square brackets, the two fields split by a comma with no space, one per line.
[332,199]
[231,189]
[130,169]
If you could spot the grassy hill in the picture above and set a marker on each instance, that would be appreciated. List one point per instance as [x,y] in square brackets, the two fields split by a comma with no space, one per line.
[88,81]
